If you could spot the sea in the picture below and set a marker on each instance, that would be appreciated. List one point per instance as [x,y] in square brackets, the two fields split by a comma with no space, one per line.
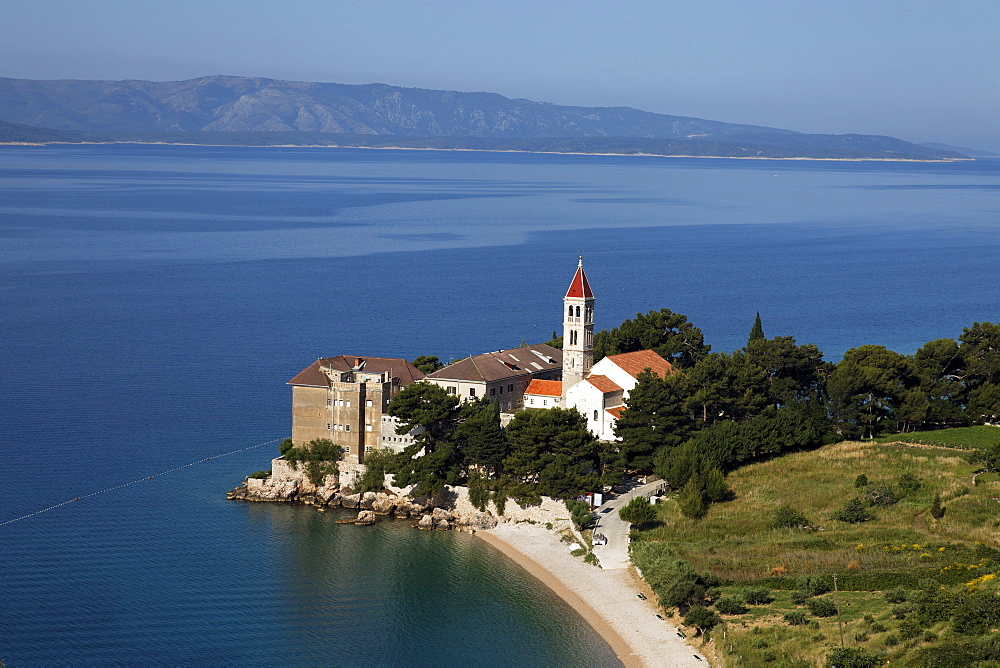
[155,299]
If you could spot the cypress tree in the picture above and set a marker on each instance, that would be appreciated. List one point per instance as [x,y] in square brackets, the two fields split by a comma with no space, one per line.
[757,333]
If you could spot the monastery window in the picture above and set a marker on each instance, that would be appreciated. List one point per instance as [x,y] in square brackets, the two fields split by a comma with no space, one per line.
[501,389]
[595,416]
[348,403]
[347,449]
[510,388]
[347,427]
[328,426]
[472,391]
[329,401]
[577,311]
[368,427]
[493,391]
[368,402]
[570,311]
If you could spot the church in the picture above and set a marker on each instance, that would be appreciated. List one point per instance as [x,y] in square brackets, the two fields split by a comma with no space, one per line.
[343,398]
[598,391]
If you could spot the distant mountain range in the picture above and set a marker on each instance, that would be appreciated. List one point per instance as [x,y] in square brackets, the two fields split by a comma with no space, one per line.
[256,111]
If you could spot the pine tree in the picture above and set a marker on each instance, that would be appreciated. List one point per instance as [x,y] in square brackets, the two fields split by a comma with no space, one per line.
[692,499]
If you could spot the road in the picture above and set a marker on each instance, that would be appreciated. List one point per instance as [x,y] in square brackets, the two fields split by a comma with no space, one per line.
[615,553]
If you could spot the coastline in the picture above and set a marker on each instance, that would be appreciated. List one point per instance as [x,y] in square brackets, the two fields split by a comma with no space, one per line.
[486,150]
[606,599]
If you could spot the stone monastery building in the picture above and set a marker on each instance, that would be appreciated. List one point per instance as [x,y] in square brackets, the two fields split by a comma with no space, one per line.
[344,398]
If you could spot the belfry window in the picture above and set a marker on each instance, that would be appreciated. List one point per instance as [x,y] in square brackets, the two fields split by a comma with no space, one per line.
[570,314]
[577,311]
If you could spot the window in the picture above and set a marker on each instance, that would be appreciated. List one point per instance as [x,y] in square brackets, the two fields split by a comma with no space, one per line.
[347,427]
[368,402]
[329,401]
[577,311]
[510,388]
[501,389]
[348,403]
[347,449]
[531,400]
[452,389]
[545,402]
[368,427]
[472,391]
[493,391]
[595,416]
[328,426]
[570,314]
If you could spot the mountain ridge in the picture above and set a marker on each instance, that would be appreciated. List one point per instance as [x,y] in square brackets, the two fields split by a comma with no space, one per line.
[232,105]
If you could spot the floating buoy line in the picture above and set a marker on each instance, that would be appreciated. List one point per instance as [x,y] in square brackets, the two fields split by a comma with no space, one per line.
[138,480]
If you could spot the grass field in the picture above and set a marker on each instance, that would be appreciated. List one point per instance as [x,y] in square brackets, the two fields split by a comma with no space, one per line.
[966,438]
[903,547]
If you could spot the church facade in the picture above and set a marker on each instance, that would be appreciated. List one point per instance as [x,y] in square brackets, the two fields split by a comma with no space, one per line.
[597,391]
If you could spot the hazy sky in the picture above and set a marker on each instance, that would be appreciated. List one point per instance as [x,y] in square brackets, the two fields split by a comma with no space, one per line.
[921,70]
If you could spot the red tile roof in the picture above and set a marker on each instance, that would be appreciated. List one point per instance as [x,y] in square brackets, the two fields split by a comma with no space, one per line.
[635,363]
[398,368]
[545,388]
[580,287]
[616,411]
[604,384]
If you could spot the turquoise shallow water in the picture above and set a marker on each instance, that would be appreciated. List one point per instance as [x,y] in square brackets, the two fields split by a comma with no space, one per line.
[155,299]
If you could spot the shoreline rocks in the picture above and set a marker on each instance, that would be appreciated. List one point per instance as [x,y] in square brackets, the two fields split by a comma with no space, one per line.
[451,510]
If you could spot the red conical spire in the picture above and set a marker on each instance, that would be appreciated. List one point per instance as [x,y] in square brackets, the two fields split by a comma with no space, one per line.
[580,287]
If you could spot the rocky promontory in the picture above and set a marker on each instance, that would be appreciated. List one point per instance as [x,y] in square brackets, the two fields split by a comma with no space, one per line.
[446,511]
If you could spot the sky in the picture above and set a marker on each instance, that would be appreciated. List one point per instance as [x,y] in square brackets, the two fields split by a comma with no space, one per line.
[920,70]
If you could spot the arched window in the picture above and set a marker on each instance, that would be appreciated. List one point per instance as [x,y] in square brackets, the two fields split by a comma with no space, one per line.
[570,314]
[577,311]
[595,416]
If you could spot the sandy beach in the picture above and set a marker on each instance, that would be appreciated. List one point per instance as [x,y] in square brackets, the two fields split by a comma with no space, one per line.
[607,599]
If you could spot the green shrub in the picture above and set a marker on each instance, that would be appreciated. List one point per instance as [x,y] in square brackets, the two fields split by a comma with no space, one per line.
[908,483]
[877,627]
[891,640]
[853,657]
[579,512]
[822,607]
[768,656]
[813,585]
[760,643]
[285,446]
[880,494]
[854,511]
[479,492]
[902,610]
[861,481]
[861,637]
[757,595]
[936,510]
[799,597]
[260,475]
[929,636]
[910,629]
[795,618]
[702,618]
[638,512]
[787,517]
[731,605]
[896,596]
[976,613]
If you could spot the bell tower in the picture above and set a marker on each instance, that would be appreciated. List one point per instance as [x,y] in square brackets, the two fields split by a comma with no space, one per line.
[578,331]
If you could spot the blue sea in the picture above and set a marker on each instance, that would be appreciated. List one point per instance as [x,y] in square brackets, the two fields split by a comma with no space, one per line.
[155,299]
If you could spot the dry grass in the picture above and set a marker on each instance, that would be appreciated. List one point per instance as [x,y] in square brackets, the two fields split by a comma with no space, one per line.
[734,542]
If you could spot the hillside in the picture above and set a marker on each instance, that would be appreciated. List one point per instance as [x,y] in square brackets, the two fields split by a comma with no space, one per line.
[890,569]
[249,110]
